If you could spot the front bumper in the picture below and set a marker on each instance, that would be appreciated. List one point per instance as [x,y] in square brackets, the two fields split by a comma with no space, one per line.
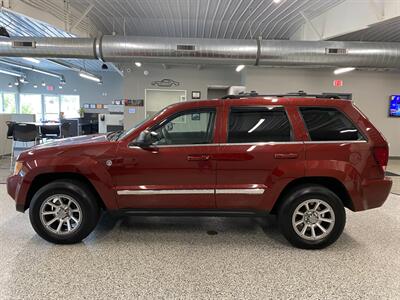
[17,189]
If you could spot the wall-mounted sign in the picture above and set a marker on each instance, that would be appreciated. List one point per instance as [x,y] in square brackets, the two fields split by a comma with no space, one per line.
[196,94]
[338,82]
[166,82]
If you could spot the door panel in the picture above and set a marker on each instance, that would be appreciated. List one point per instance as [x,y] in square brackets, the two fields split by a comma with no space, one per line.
[261,157]
[167,177]
[178,170]
[256,171]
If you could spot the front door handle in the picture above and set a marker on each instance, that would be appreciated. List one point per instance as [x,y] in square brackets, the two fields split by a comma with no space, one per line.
[198,157]
[286,155]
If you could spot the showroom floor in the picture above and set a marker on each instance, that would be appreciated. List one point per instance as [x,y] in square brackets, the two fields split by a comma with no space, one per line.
[165,257]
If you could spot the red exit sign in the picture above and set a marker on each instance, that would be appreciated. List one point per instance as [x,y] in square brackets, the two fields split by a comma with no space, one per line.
[50,88]
[338,83]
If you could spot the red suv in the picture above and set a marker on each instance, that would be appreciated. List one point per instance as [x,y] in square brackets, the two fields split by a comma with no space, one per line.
[301,157]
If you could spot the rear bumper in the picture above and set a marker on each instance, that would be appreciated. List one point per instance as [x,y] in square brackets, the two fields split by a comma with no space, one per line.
[17,189]
[375,193]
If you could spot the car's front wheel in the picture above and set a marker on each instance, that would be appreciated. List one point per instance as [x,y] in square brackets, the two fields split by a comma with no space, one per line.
[64,212]
[312,217]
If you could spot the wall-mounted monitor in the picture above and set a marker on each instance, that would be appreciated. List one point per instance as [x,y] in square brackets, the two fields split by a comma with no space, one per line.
[394,109]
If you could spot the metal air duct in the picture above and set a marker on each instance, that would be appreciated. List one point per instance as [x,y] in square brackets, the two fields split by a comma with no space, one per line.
[209,51]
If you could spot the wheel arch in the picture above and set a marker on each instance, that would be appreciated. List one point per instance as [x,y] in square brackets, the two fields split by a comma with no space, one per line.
[42,179]
[330,183]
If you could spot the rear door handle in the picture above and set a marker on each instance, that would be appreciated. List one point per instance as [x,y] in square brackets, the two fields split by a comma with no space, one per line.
[198,157]
[286,155]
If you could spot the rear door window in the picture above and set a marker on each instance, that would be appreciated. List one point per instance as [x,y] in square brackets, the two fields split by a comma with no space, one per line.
[329,124]
[258,124]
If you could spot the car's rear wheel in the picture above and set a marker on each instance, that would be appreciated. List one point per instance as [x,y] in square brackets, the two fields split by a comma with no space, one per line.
[312,217]
[64,212]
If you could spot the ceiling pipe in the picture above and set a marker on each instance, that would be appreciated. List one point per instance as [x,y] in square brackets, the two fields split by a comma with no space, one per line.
[73,68]
[209,51]
[30,68]
[12,73]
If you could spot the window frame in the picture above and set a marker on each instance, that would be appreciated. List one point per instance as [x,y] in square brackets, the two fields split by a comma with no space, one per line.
[364,136]
[250,107]
[188,111]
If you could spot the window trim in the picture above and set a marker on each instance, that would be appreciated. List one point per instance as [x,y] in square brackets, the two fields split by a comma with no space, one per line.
[244,107]
[199,109]
[365,137]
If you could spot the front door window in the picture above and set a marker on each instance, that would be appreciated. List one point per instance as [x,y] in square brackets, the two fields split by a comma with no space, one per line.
[186,128]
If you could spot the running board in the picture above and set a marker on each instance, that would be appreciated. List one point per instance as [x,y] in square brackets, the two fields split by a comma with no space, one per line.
[185,212]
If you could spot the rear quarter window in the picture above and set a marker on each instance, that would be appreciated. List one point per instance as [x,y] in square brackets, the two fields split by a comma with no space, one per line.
[329,124]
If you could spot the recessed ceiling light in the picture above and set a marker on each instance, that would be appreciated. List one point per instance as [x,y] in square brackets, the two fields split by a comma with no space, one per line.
[9,85]
[35,86]
[43,83]
[343,70]
[240,68]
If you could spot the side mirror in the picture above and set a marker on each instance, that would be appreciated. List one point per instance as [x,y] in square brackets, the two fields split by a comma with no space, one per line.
[144,140]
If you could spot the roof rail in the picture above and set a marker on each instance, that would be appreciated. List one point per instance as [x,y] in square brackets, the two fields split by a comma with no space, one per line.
[253,94]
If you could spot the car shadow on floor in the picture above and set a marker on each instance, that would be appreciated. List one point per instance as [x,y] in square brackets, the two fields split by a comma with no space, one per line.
[200,230]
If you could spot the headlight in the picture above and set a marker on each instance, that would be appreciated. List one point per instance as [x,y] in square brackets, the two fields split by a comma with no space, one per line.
[18,167]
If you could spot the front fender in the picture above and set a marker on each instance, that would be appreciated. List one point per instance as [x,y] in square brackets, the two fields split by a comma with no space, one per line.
[95,171]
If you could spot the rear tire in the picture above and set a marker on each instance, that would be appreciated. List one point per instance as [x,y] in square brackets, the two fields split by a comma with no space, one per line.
[311,217]
[64,212]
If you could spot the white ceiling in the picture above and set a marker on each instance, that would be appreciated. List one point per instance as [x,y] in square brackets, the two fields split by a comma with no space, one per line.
[235,19]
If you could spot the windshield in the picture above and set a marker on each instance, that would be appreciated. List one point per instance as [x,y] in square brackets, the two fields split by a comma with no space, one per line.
[114,136]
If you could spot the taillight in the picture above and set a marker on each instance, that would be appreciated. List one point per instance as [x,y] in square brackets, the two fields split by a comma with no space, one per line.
[381,155]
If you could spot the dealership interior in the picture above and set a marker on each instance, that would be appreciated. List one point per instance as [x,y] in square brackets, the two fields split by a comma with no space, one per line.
[72,68]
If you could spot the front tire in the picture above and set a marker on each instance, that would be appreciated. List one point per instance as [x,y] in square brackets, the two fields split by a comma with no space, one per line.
[64,212]
[311,217]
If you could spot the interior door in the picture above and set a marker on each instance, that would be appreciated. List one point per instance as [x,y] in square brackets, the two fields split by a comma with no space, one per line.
[259,156]
[178,171]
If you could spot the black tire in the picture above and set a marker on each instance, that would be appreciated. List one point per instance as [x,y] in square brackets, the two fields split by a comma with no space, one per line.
[297,198]
[89,211]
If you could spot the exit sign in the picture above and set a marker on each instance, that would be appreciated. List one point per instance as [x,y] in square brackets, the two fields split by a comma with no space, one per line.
[338,83]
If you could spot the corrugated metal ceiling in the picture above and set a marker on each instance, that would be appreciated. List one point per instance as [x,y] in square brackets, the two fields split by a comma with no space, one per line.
[235,19]
[19,25]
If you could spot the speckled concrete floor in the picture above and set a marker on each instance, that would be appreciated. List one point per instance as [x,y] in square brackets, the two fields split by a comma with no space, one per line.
[166,258]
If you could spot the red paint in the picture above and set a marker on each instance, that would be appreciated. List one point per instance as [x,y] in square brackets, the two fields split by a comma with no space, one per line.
[269,166]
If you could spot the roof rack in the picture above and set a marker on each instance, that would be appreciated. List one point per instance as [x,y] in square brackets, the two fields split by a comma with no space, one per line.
[295,94]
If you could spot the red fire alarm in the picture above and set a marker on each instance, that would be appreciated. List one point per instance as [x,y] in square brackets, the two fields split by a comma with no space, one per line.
[338,82]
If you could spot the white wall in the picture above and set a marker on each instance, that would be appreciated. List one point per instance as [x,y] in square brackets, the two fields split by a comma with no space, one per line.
[371,91]
[190,79]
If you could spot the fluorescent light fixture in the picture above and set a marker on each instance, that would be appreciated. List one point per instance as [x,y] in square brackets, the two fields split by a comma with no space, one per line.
[89,76]
[43,83]
[31,59]
[35,86]
[138,64]
[60,87]
[343,70]
[240,68]
[9,85]
[10,72]
[257,125]
[276,1]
